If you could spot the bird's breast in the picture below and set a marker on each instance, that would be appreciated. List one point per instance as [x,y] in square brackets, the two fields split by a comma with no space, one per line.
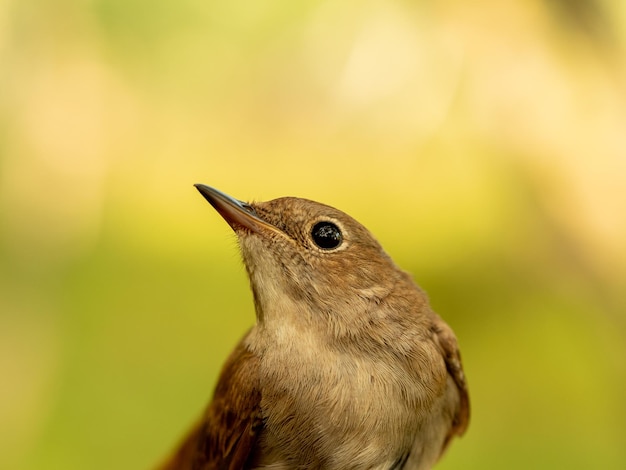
[330,409]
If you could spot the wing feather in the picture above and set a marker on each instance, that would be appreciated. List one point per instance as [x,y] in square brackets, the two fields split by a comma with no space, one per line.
[448,346]
[225,437]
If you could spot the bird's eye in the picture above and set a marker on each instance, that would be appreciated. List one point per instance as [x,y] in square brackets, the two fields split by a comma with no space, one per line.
[326,235]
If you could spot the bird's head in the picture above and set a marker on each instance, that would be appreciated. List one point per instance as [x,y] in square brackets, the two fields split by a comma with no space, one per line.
[309,262]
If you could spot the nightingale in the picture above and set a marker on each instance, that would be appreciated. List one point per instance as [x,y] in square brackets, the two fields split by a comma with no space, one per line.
[347,367]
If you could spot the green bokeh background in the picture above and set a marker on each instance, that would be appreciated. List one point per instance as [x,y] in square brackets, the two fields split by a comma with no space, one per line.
[483,143]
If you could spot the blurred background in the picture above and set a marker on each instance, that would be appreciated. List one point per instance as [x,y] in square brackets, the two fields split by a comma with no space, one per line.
[483,143]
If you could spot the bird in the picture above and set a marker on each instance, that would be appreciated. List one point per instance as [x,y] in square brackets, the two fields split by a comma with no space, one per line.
[347,366]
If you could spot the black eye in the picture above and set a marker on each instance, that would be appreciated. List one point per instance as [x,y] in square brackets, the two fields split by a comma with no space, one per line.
[326,235]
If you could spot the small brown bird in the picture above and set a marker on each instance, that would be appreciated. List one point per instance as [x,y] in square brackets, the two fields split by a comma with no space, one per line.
[347,367]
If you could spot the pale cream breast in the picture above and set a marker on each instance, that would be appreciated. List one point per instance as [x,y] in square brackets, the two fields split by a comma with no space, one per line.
[358,411]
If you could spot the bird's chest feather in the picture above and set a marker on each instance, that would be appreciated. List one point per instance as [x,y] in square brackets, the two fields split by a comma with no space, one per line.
[357,411]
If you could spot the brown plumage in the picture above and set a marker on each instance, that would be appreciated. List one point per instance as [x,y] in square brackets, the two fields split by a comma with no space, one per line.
[347,367]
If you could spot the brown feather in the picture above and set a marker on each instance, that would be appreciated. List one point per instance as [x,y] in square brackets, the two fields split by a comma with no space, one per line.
[225,438]
[447,343]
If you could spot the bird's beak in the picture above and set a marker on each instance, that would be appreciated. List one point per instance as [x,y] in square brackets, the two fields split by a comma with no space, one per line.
[236,213]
